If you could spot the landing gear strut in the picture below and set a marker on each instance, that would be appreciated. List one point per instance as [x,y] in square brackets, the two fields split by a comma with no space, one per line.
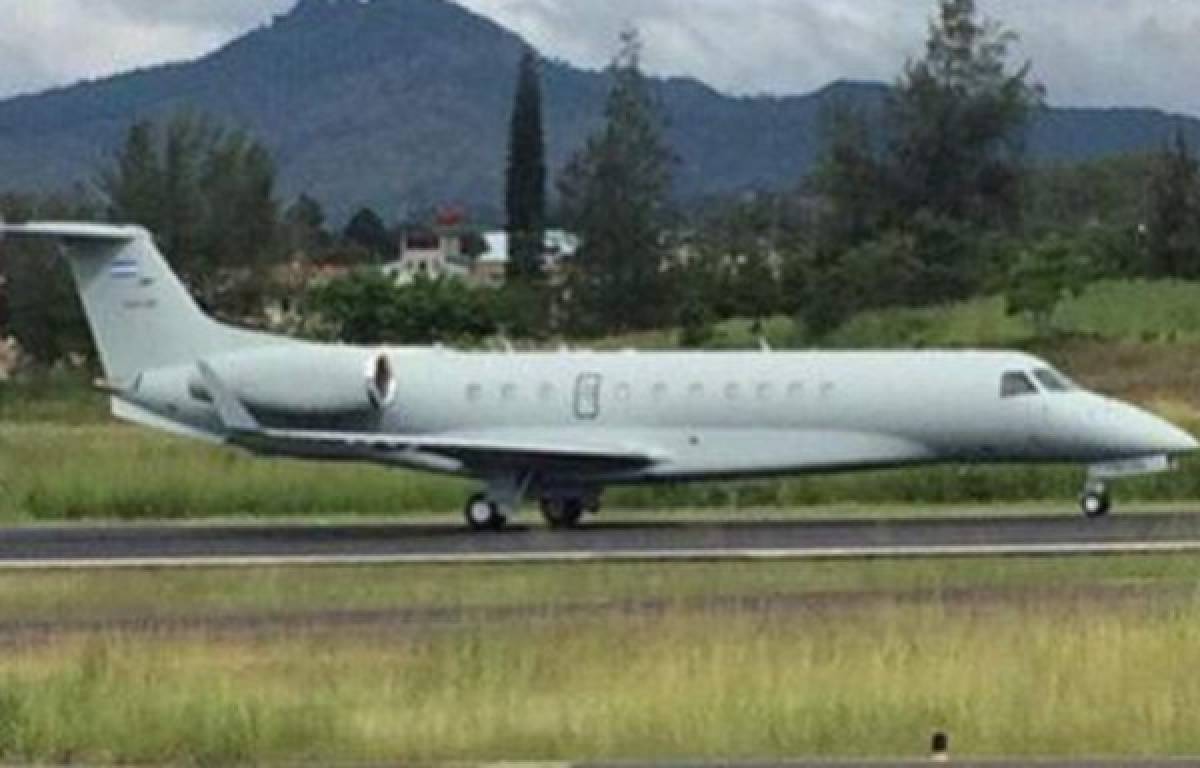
[1096,501]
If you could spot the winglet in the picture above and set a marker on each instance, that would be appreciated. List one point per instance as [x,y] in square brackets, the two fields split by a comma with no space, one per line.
[230,410]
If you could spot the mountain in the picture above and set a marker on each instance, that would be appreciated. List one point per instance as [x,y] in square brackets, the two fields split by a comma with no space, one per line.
[403,104]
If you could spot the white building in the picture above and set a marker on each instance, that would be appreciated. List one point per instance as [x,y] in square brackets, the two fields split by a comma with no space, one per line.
[442,255]
[430,254]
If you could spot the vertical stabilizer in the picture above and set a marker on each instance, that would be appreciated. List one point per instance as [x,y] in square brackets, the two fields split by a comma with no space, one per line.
[141,315]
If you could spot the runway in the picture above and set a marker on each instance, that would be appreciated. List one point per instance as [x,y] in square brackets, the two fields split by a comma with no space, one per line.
[400,543]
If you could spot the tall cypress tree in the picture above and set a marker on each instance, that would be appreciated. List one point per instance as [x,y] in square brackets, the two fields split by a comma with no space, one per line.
[526,188]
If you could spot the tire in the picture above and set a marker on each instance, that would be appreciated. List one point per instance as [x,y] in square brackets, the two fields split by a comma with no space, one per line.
[483,515]
[1095,504]
[562,514]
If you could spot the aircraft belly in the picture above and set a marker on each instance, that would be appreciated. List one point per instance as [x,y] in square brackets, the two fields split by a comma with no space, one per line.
[765,452]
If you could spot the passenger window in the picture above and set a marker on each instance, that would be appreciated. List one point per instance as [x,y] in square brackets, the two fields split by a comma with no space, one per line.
[660,391]
[474,393]
[1017,385]
[696,390]
[509,393]
[796,390]
[1051,381]
[546,393]
[624,392]
[764,391]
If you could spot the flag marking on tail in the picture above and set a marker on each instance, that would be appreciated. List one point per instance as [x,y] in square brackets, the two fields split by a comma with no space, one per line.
[124,269]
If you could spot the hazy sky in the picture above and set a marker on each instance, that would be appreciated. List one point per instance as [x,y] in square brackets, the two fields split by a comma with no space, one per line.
[1088,52]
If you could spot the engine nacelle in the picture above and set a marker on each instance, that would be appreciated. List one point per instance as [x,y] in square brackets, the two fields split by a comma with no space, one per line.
[306,381]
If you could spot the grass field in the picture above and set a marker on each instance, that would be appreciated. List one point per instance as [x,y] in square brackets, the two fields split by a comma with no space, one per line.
[1057,667]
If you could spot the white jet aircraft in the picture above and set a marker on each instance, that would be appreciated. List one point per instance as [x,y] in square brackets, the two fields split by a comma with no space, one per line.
[562,426]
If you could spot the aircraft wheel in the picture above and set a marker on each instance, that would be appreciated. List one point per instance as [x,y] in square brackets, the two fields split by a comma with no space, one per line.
[484,515]
[1096,503]
[562,513]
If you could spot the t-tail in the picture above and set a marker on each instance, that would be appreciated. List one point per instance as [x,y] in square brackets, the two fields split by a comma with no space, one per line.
[141,315]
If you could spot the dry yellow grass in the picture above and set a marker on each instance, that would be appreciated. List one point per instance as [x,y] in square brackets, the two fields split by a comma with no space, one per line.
[1015,679]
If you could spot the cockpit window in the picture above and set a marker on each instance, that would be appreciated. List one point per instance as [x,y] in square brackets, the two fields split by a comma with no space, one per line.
[1017,384]
[1052,381]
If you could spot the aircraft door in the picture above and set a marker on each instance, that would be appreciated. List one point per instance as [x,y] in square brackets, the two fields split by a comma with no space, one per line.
[587,397]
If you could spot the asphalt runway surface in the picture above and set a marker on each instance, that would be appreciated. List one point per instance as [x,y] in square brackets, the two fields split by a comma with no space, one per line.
[999,763]
[406,542]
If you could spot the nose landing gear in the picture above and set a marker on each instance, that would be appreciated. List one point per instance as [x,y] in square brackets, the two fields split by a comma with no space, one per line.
[484,515]
[1096,501]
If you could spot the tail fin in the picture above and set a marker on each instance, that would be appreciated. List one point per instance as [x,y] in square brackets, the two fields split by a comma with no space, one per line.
[140,314]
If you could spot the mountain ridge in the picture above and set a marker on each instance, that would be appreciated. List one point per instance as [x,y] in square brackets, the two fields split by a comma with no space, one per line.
[404,104]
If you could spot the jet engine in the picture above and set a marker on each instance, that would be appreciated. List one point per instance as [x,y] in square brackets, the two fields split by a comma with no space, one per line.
[293,384]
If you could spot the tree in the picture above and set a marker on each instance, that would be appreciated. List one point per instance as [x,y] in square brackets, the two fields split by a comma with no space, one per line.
[526,179]
[615,197]
[1042,277]
[366,230]
[958,117]
[946,180]
[1173,221]
[135,185]
[208,196]
[304,227]
[852,179]
[367,307]
[737,258]
[39,305]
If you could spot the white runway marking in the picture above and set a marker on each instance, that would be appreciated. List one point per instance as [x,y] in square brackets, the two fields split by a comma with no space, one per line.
[630,556]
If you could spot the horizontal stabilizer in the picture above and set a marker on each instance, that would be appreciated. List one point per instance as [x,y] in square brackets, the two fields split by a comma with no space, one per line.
[68,231]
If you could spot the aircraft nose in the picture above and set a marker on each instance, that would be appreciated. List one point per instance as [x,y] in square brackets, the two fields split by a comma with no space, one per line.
[1149,434]
[1175,440]
[1164,437]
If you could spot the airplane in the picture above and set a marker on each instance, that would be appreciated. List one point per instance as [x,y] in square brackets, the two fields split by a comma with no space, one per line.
[561,427]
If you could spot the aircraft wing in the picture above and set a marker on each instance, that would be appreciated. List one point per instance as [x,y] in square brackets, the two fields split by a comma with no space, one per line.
[449,453]
[466,449]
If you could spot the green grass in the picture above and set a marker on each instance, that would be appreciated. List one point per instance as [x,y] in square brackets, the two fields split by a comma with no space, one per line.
[106,472]
[64,397]
[1111,310]
[1164,310]
[53,472]
[977,323]
[1046,671]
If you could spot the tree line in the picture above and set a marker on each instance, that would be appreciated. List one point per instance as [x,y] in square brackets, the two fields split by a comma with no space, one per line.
[929,200]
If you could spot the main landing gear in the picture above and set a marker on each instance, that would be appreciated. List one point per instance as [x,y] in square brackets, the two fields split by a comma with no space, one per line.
[1096,501]
[491,511]
[565,512]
